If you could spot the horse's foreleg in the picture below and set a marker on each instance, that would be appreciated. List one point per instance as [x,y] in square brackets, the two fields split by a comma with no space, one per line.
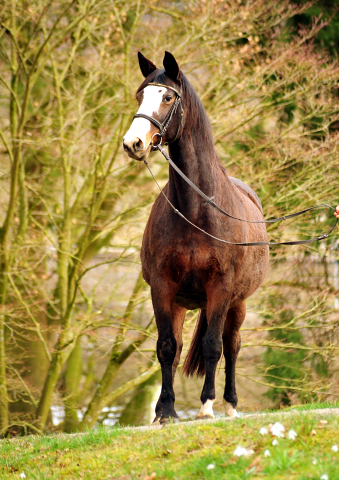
[212,349]
[232,343]
[169,319]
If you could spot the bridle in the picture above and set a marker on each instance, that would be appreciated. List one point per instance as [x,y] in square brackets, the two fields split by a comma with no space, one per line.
[162,130]
[165,124]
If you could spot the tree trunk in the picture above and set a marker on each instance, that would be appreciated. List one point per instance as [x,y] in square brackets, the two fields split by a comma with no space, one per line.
[141,408]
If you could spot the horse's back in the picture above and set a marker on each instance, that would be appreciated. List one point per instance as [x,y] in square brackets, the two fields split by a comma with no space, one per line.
[245,189]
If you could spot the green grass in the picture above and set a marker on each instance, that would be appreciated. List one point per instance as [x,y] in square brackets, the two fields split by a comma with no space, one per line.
[181,452]
[313,406]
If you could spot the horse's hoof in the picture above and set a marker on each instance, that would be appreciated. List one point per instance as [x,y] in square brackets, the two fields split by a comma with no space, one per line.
[169,420]
[230,411]
[205,416]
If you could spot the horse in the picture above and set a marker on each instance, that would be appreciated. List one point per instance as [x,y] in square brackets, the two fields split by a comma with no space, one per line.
[188,268]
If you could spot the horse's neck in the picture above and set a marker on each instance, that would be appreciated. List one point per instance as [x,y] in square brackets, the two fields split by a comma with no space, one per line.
[195,155]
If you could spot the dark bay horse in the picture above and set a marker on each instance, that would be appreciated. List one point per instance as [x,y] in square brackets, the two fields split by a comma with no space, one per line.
[185,268]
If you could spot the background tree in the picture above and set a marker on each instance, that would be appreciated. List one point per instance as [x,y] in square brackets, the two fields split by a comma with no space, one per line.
[76,328]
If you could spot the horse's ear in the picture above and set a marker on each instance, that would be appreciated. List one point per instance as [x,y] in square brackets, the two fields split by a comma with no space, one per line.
[171,67]
[146,66]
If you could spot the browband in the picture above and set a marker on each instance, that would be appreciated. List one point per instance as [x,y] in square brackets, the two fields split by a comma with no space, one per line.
[166,86]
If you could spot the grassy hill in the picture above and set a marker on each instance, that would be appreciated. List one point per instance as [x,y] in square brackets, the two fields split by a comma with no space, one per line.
[192,450]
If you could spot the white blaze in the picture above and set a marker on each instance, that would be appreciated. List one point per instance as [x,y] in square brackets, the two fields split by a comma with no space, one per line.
[150,105]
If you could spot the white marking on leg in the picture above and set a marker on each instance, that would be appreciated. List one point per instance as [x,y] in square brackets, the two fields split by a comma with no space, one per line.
[230,411]
[206,410]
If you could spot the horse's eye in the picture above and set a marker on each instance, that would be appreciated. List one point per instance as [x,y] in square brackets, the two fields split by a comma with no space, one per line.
[168,98]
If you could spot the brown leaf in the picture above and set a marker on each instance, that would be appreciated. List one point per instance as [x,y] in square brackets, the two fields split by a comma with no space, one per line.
[256,461]
[150,477]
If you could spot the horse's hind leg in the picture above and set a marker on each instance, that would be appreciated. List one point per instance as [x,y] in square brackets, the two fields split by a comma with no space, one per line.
[231,343]
[170,319]
[212,349]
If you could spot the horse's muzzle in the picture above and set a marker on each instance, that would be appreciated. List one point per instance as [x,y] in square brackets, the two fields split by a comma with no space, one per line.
[135,148]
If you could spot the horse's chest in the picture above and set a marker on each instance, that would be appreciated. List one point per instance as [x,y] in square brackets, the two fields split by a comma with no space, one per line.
[191,271]
[177,263]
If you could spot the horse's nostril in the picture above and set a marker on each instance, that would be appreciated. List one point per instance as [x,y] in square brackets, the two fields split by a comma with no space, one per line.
[138,144]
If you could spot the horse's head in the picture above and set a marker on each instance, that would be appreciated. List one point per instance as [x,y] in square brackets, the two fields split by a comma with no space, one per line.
[158,119]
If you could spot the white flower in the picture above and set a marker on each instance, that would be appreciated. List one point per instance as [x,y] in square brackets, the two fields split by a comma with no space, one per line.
[22,475]
[292,434]
[314,461]
[324,477]
[267,453]
[277,430]
[334,448]
[263,431]
[242,452]
[274,442]
[210,466]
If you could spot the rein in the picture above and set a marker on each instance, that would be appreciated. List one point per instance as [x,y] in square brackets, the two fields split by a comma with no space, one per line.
[214,205]
[162,130]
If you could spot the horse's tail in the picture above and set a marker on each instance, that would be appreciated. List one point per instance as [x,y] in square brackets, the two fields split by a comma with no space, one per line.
[195,362]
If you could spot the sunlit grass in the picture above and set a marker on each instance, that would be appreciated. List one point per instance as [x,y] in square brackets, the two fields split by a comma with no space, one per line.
[185,451]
